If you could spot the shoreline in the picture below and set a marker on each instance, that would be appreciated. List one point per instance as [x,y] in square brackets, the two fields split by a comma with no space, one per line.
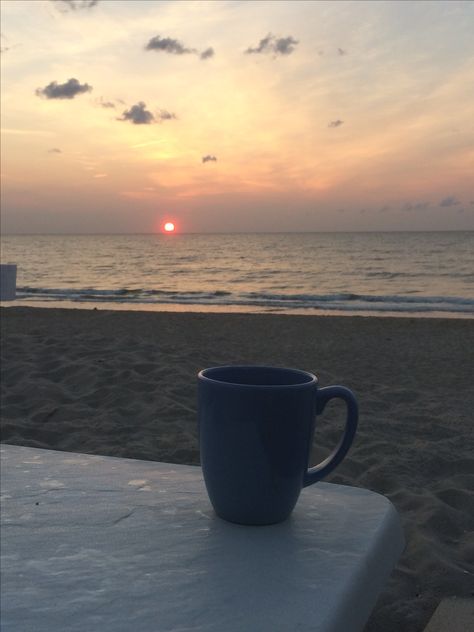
[185,308]
[123,383]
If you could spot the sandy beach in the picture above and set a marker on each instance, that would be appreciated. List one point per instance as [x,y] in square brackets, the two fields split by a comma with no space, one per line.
[124,384]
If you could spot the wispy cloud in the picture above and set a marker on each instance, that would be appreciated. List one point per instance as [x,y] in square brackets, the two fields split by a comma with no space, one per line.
[209,158]
[275,45]
[415,206]
[451,200]
[138,115]
[336,123]
[54,150]
[164,115]
[67,90]
[105,104]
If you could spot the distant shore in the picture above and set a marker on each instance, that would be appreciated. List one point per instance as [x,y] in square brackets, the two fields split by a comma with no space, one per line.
[122,383]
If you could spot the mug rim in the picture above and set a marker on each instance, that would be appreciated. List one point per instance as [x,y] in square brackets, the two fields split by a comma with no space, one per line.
[203,375]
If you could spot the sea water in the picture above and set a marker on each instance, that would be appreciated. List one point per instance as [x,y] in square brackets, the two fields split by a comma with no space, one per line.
[405,273]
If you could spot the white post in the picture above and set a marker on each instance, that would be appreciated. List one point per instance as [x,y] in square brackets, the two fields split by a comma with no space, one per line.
[7,282]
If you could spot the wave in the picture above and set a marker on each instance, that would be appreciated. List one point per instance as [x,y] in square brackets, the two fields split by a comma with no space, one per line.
[343,301]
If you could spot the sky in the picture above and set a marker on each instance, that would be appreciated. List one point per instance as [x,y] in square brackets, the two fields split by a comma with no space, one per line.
[228,116]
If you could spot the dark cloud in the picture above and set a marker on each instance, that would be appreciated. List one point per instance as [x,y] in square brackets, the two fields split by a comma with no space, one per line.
[336,123]
[451,200]
[67,90]
[341,52]
[54,150]
[263,47]
[169,45]
[285,45]
[209,158]
[384,209]
[175,47]
[74,5]
[275,45]
[138,115]
[208,53]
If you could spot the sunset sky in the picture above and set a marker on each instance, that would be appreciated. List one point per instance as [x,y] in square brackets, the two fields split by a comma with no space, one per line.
[236,116]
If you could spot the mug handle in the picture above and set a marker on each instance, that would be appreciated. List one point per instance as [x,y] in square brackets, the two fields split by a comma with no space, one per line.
[323,395]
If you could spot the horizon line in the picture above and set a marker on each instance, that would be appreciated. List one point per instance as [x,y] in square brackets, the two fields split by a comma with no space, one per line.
[240,232]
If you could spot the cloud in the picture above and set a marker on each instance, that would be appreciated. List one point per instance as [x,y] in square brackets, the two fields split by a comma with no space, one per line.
[209,158]
[275,45]
[208,53]
[54,150]
[67,90]
[341,52]
[168,45]
[74,5]
[336,123]
[175,47]
[105,104]
[164,115]
[451,200]
[384,209]
[110,104]
[138,115]
[285,45]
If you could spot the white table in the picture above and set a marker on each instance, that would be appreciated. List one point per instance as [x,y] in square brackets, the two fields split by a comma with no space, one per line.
[106,544]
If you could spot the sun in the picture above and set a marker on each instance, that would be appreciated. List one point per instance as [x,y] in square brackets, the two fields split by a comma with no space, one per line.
[169,227]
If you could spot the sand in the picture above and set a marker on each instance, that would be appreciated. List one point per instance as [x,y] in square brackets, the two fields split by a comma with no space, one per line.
[123,384]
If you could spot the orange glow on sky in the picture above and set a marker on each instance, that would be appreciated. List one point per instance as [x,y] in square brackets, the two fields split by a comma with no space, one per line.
[379,138]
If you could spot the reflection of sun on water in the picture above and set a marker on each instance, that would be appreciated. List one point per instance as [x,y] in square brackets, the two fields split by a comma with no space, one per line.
[169,227]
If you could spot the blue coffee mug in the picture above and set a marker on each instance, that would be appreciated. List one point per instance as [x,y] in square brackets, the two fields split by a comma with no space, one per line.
[256,427]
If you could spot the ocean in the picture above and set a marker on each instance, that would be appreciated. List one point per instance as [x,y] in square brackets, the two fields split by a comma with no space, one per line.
[416,273]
